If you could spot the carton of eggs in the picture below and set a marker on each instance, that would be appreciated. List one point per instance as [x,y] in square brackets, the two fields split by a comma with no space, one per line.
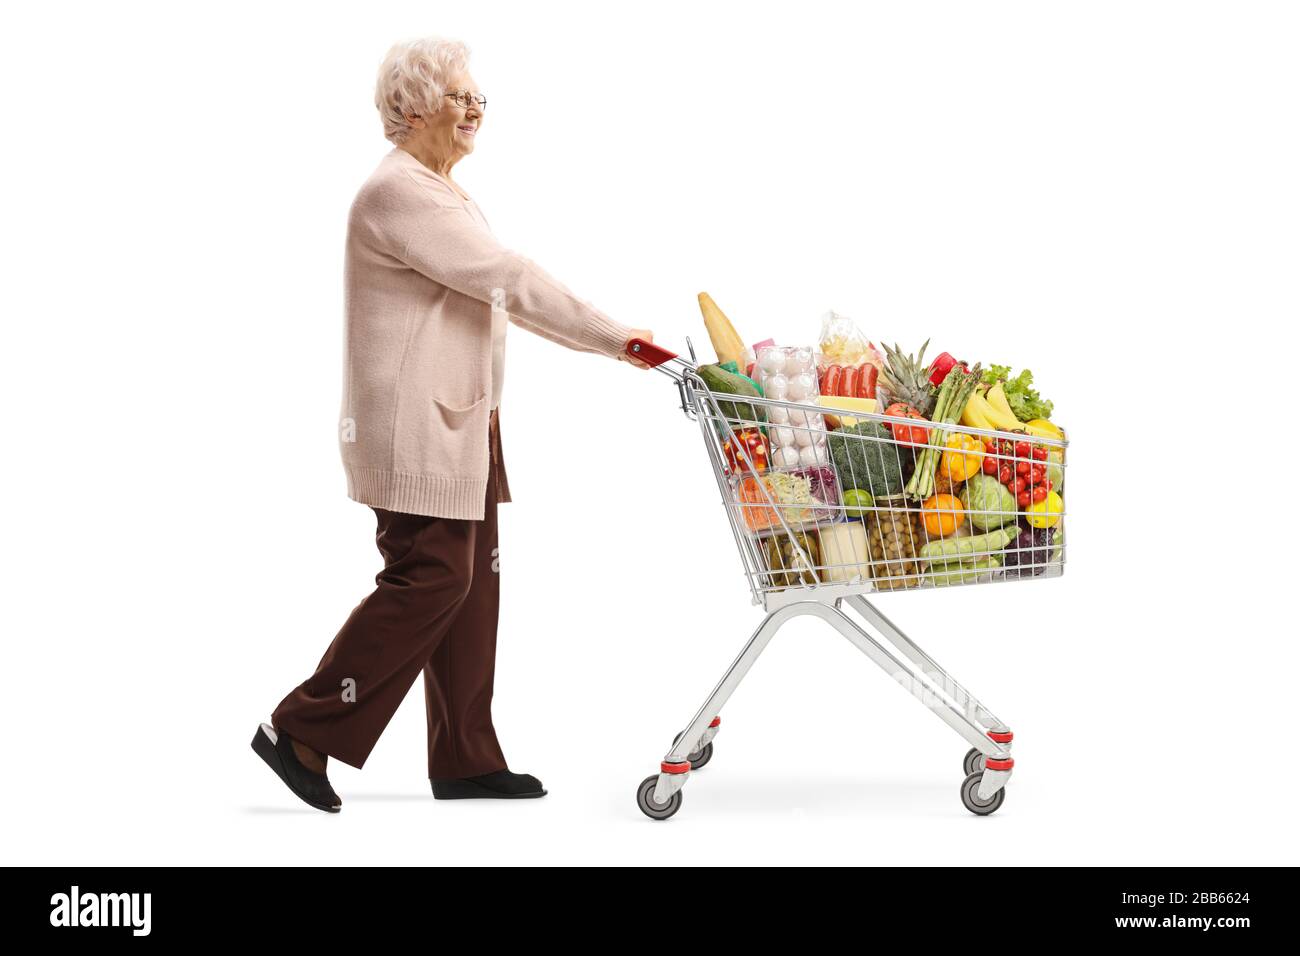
[796,437]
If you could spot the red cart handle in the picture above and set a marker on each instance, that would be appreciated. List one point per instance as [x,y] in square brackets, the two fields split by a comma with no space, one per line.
[648,352]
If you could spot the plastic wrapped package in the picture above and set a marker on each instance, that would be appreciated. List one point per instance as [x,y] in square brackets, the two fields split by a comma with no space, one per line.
[842,342]
[796,436]
[847,364]
[804,497]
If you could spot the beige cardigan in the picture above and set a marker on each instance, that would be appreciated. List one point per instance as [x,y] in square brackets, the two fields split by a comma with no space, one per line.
[428,291]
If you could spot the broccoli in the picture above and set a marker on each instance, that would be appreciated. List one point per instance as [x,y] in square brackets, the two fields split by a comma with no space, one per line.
[872,461]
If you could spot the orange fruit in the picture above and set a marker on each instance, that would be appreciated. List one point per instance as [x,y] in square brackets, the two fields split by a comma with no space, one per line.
[943,515]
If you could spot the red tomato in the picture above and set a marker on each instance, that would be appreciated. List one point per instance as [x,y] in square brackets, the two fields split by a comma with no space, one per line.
[1018,486]
[1039,494]
[911,435]
[1047,485]
[1004,474]
[1023,499]
[1038,473]
[1040,453]
[907,434]
[901,410]
[1022,468]
[1022,449]
[990,466]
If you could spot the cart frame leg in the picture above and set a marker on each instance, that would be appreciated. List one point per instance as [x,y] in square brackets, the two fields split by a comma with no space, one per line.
[670,783]
[930,667]
[951,702]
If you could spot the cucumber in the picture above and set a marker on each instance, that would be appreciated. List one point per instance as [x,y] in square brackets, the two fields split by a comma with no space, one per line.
[950,549]
[963,574]
[952,564]
[718,379]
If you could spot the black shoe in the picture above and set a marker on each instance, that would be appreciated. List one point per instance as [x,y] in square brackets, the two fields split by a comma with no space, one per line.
[311,787]
[500,784]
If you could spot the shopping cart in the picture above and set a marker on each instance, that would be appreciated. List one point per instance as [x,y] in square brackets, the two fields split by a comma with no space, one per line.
[818,538]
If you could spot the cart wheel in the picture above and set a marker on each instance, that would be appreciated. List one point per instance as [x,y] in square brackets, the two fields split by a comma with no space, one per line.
[973,762]
[645,799]
[970,796]
[700,757]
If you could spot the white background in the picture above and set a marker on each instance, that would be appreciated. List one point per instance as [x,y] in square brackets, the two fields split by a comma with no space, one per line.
[1105,193]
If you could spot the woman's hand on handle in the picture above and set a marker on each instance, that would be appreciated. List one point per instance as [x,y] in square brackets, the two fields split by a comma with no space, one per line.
[623,356]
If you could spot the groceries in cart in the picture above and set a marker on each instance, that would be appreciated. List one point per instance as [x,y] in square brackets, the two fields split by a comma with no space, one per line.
[855,464]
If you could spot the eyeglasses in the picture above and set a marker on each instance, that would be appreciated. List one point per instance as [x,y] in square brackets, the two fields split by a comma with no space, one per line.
[463,98]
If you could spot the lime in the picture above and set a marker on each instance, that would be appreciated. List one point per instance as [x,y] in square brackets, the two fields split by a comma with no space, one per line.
[855,500]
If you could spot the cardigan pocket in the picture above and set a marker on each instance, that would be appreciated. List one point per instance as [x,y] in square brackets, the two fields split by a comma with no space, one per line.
[456,435]
[457,406]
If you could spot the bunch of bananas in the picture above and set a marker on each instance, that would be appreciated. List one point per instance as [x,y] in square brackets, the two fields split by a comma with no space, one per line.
[992,411]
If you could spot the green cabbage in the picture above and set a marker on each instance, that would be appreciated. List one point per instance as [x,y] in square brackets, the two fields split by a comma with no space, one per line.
[986,493]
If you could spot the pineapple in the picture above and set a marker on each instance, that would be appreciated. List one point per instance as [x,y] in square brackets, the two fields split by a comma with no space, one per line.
[905,379]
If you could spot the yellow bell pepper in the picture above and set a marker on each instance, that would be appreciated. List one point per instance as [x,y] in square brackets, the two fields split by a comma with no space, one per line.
[962,458]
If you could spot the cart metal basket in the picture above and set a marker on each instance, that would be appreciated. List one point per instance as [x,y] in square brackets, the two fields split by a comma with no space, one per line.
[843,519]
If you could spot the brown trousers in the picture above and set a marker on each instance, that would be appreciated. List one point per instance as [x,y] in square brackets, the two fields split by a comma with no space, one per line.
[434,608]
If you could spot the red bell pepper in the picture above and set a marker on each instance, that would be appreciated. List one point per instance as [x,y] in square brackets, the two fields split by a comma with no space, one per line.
[941,366]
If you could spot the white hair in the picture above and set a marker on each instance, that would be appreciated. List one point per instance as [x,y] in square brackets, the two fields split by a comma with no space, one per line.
[412,80]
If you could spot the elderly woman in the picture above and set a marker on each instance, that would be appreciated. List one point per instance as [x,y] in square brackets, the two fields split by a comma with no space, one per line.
[428,291]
